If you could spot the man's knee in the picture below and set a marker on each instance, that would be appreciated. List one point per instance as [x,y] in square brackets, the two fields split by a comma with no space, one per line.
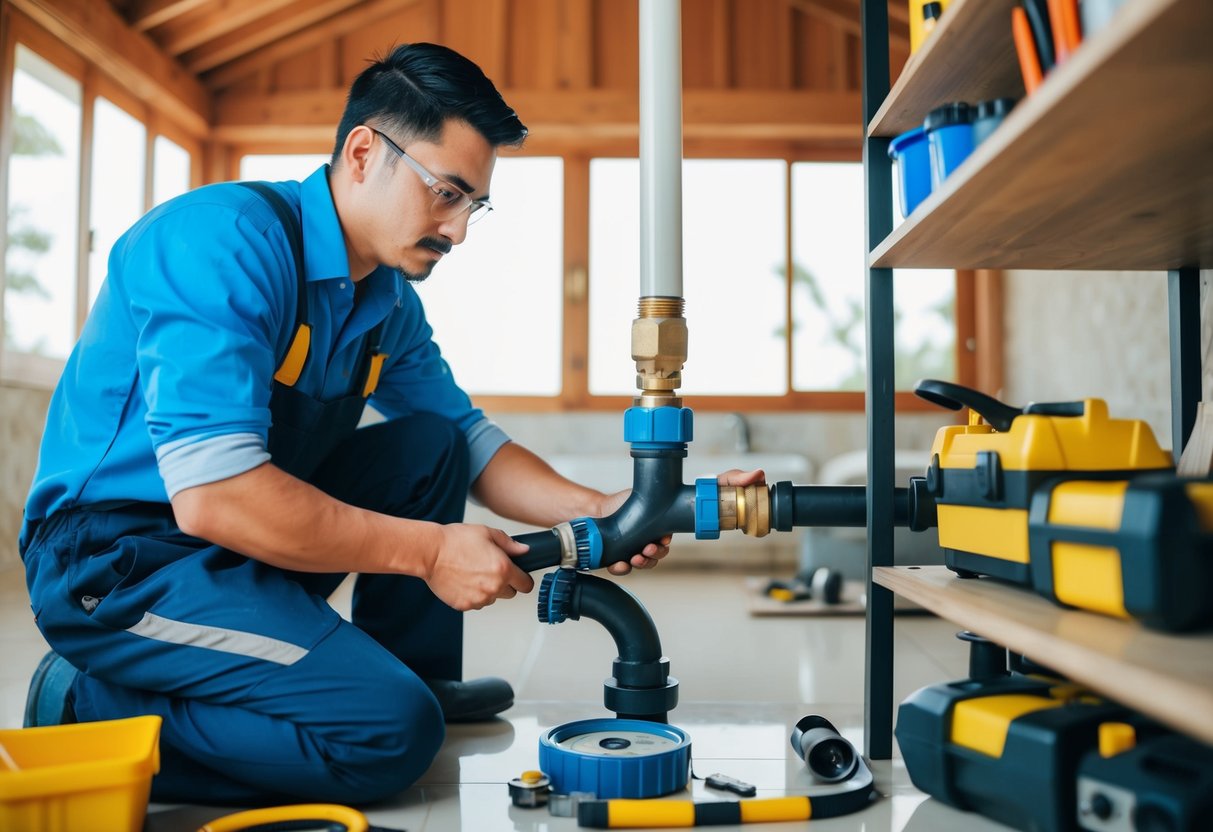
[401,730]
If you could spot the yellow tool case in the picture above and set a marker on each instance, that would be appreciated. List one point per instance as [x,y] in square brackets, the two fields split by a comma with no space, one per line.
[984,475]
[1140,548]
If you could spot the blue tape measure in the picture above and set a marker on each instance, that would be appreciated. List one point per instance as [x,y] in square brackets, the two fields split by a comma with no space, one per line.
[612,758]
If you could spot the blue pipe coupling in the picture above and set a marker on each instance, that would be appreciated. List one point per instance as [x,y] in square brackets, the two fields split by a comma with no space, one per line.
[656,428]
[707,509]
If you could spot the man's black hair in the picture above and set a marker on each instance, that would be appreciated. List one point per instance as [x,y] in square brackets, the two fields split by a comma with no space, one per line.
[412,92]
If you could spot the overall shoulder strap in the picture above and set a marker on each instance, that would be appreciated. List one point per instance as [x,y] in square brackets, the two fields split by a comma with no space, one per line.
[291,367]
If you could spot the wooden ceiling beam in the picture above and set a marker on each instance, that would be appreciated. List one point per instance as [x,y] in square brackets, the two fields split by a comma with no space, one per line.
[777,115]
[102,36]
[356,18]
[284,22]
[147,14]
[212,20]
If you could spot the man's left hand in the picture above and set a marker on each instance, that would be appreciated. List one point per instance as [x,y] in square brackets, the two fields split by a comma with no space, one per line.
[652,553]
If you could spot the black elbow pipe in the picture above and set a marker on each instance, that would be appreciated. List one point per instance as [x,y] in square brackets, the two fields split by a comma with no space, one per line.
[621,613]
[659,505]
[640,686]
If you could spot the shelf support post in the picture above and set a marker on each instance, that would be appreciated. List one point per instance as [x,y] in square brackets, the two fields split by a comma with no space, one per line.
[878,397]
[1183,308]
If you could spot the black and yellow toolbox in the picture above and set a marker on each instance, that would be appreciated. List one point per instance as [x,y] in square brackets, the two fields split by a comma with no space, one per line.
[1140,548]
[1084,508]
[1043,755]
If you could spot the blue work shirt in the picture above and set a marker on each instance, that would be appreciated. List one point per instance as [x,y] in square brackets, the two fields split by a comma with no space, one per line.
[169,385]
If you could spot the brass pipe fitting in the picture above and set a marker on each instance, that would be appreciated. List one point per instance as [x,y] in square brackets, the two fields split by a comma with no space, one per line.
[659,348]
[746,507]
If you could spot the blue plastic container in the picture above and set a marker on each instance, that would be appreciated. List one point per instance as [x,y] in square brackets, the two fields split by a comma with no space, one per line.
[949,132]
[909,152]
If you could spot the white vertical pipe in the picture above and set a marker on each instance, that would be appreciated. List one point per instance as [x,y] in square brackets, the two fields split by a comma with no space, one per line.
[660,148]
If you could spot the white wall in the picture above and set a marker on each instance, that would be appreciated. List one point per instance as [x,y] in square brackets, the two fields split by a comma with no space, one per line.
[1075,335]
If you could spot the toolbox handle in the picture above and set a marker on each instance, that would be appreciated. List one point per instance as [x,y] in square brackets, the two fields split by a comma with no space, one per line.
[998,414]
[955,396]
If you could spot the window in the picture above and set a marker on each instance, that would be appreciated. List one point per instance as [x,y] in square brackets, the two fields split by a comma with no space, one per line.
[55,255]
[735,273]
[279,168]
[514,316]
[119,151]
[44,189]
[495,301]
[171,170]
[733,241]
[828,286]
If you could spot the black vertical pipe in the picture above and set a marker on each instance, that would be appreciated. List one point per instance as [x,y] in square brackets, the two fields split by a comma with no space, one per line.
[878,400]
[1183,306]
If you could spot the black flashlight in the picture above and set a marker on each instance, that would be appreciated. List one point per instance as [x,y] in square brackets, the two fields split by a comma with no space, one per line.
[828,755]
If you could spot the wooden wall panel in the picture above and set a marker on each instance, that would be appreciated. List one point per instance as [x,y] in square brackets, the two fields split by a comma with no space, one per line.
[534,57]
[305,71]
[477,29]
[818,48]
[419,22]
[706,50]
[762,45]
[617,45]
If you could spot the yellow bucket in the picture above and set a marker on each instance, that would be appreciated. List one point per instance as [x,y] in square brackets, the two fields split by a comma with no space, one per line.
[91,775]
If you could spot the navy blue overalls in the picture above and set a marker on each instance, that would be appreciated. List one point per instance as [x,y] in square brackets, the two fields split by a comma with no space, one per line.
[266,693]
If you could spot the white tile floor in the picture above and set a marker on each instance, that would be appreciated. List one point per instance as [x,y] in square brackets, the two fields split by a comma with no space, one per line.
[743,683]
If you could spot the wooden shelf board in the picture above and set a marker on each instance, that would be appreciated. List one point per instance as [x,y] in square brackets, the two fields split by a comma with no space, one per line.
[1167,676]
[1106,166]
[969,57]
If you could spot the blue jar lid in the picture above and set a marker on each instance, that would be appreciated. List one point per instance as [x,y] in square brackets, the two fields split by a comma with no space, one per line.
[949,115]
[906,140]
[994,108]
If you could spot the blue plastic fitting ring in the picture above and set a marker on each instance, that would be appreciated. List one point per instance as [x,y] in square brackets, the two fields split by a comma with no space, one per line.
[707,509]
[589,542]
[554,594]
[658,426]
[610,775]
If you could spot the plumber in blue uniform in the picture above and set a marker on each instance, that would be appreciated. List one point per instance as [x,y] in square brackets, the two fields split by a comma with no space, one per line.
[203,484]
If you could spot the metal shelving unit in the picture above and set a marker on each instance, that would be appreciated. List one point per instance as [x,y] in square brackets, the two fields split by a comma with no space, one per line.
[1105,166]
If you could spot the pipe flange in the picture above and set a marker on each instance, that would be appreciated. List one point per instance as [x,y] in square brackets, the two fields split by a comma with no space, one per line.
[587,543]
[555,595]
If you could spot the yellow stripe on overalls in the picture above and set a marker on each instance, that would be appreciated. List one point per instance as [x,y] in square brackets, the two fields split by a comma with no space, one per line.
[372,373]
[296,356]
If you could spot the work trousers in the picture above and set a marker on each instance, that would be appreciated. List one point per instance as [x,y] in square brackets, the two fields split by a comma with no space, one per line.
[266,693]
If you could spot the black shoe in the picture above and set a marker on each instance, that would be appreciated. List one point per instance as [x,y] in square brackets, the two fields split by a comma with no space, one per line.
[472,701]
[50,693]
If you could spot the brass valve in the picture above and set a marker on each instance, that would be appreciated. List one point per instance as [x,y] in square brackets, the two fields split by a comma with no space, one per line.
[659,348]
[746,507]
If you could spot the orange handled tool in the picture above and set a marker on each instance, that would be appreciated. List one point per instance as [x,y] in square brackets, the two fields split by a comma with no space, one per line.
[1025,49]
[1063,19]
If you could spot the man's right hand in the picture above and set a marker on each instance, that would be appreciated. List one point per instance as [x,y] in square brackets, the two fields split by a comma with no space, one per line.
[474,567]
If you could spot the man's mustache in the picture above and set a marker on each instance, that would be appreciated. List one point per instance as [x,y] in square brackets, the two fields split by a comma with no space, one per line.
[436,243]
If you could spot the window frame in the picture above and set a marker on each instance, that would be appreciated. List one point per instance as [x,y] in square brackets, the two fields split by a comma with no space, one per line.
[28,369]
